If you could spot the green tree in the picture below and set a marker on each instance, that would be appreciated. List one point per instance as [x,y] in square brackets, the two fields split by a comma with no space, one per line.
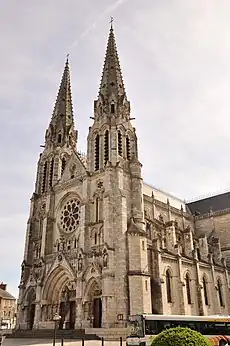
[180,337]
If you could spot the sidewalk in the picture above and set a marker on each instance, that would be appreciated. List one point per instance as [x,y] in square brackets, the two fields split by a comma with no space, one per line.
[36,342]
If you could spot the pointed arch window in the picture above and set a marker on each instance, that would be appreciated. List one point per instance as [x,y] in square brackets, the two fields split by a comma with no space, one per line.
[63,164]
[97,152]
[188,288]
[97,209]
[51,172]
[220,293]
[112,108]
[119,140]
[148,229]
[205,288]
[128,154]
[59,138]
[168,286]
[44,177]
[106,147]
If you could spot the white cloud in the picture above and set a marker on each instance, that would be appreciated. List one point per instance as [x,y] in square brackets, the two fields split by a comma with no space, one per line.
[175,58]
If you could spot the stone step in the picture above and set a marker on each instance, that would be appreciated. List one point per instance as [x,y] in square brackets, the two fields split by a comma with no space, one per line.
[48,333]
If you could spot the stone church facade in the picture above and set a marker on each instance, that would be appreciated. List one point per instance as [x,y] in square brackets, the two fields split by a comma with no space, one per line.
[100,243]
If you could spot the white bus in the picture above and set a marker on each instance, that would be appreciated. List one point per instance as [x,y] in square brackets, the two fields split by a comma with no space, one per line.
[143,327]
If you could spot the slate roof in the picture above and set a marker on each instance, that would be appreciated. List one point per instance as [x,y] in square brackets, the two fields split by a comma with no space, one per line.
[6,295]
[214,203]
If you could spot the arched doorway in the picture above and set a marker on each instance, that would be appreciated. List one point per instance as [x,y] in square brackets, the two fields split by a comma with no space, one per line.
[97,312]
[67,308]
[59,292]
[31,298]
[93,304]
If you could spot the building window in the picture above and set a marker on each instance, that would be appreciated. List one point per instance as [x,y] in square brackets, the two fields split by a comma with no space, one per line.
[112,108]
[106,147]
[143,245]
[44,177]
[205,290]
[128,155]
[148,230]
[51,172]
[119,140]
[95,238]
[220,294]
[63,164]
[97,209]
[188,288]
[168,286]
[59,138]
[146,285]
[96,150]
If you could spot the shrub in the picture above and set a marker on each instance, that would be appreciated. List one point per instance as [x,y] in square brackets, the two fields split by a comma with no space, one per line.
[180,337]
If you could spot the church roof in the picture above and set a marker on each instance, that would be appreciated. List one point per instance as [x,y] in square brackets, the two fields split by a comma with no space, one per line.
[111,81]
[6,295]
[213,203]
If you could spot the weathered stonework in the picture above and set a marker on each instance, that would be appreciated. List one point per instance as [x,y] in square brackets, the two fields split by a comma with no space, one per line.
[101,244]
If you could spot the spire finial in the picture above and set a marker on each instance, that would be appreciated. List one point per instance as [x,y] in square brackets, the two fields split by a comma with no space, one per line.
[111,21]
[67,58]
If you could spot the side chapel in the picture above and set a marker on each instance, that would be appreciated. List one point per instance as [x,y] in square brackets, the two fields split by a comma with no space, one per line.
[101,244]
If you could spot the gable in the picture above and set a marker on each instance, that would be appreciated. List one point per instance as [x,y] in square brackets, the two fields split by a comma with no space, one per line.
[74,168]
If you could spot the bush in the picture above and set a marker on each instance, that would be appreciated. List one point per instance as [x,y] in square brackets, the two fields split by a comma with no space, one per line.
[180,337]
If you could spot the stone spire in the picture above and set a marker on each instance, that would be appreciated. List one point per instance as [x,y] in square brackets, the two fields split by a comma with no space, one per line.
[111,81]
[61,128]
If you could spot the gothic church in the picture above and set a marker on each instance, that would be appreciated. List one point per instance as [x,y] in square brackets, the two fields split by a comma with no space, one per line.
[100,243]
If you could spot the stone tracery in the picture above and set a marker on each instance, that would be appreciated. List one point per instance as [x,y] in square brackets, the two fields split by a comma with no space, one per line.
[70,215]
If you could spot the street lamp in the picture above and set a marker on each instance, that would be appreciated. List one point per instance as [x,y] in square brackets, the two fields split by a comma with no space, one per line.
[56,319]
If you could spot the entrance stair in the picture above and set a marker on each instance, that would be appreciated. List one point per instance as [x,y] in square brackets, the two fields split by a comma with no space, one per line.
[48,334]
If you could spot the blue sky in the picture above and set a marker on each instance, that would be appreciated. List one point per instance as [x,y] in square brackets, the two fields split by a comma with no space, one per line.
[175,58]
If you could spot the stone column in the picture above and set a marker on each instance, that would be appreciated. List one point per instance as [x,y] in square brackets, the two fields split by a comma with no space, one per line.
[79,313]
[180,286]
[108,302]
[216,306]
[200,301]
[37,316]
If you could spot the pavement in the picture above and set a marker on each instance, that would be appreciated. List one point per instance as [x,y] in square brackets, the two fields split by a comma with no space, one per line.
[36,342]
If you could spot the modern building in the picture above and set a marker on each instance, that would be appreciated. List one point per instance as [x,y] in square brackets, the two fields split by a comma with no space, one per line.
[100,243]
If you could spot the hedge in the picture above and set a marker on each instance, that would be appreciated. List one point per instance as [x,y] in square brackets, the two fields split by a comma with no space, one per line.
[180,337]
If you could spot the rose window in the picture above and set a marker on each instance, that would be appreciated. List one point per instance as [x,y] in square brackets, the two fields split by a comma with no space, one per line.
[70,215]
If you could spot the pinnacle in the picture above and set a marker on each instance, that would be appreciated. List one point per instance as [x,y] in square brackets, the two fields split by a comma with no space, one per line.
[111,80]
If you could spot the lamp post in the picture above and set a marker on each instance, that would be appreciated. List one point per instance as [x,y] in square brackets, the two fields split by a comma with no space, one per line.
[56,318]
